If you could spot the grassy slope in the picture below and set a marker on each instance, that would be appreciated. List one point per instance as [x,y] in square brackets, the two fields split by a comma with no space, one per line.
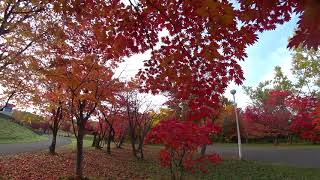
[13,133]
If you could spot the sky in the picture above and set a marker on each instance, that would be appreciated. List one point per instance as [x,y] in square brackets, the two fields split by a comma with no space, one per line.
[269,51]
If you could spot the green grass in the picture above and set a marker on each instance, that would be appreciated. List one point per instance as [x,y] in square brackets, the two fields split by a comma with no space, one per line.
[240,170]
[11,132]
[87,141]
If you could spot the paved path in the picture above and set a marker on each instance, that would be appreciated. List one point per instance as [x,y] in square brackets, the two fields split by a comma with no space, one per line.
[29,147]
[308,157]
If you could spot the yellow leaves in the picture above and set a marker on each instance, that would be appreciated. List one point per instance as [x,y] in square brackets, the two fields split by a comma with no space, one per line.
[162,115]
[216,11]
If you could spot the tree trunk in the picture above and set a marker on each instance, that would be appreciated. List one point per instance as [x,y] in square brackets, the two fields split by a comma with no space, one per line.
[133,145]
[94,140]
[79,151]
[52,148]
[203,150]
[7,102]
[109,145]
[140,149]
[110,138]
[276,142]
[121,142]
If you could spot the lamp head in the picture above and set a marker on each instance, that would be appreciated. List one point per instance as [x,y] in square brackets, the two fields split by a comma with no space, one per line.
[233,91]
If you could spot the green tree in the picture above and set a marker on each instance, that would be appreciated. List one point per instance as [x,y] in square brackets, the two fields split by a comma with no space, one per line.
[258,94]
[306,68]
[281,81]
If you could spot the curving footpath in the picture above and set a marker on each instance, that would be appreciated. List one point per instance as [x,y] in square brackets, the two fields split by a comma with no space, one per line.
[30,147]
[306,157]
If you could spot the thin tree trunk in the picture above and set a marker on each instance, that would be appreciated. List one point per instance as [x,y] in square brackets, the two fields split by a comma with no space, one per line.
[94,140]
[7,102]
[79,167]
[109,145]
[276,142]
[133,145]
[52,148]
[121,142]
[140,148]
[98,142]
[203,150]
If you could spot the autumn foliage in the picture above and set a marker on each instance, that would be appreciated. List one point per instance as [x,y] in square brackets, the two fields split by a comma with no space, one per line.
[73,48]
[182,144]
[272,118]
[304,122]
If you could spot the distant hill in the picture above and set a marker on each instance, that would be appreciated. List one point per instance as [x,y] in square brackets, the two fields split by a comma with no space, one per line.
[11,132]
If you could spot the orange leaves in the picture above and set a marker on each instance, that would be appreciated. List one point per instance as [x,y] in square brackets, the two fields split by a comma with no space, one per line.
[45,166]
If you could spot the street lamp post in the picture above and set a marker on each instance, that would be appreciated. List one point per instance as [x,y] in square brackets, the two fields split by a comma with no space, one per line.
[233,92]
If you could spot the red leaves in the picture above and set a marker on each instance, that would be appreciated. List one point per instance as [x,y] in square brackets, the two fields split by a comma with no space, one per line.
[271,119]
[181,140]
[214,158]
[164,158]
[304,121]
[308,31]
[44,166]
[186,134]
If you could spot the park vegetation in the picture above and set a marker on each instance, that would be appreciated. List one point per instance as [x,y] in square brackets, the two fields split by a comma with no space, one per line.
[61,56]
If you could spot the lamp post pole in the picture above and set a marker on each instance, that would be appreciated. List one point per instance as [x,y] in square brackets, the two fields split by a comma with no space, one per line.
[233,92]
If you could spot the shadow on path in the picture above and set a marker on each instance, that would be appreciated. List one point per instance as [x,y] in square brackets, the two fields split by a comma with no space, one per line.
[293,156]
[29,147]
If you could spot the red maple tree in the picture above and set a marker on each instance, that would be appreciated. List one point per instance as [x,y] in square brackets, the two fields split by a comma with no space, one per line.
[272,118]
[304,121]
[182,144]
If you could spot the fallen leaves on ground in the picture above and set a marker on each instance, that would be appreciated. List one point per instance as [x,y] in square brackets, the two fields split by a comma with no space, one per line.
[98,164]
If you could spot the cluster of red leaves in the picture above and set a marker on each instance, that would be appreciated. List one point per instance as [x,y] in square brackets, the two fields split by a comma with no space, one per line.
[317,119]
[181,140]
[182,134]
[304,122]
[271,118]
[207,39]
[307,33]
[121,165]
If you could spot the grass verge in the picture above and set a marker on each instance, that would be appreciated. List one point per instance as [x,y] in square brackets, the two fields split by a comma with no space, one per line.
[243,170]
[11,132]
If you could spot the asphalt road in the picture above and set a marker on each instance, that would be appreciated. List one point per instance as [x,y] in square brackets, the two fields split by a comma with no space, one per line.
[30,147]
[308,157]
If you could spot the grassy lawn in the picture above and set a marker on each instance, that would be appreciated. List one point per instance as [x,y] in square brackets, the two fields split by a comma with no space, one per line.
[242,170]
[230,169]
[87,141]
[11,132]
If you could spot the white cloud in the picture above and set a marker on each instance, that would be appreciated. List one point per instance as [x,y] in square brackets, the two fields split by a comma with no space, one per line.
[283,57]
